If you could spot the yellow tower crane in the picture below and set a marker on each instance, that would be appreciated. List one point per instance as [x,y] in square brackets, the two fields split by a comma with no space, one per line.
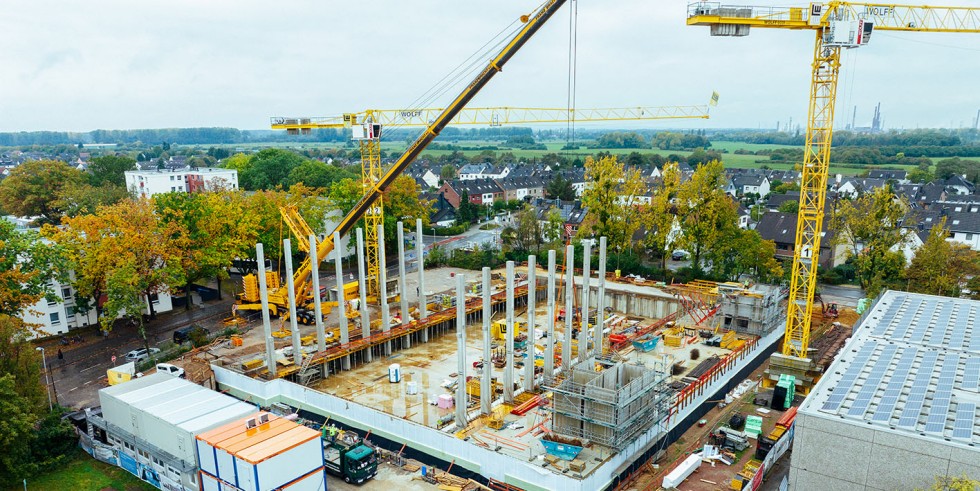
[366,127]
[836,25]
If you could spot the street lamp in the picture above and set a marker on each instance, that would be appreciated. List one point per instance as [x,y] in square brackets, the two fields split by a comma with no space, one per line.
[44,363]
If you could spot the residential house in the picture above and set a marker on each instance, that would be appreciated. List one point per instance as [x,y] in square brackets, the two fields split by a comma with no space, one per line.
[577,177]
[480,191]
[777,200]
[784,176]
[572,214]
[959,185]
[530,170]
[471,172]
[899,176]
[521,188]
[423,176]
[781,229]
[964,228]
[852,187]
[742,184]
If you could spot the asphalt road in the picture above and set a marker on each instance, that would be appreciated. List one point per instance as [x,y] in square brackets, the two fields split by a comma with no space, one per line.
[79,376]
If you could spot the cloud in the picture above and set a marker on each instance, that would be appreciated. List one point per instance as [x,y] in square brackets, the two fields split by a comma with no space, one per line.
[154,63]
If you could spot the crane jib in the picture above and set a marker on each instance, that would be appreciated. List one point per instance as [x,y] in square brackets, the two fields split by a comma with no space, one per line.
[533,24]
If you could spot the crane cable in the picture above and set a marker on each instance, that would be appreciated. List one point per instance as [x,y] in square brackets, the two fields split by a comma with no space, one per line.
[572,70]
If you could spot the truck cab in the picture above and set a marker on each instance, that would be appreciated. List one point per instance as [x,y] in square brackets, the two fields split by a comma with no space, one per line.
[345,455]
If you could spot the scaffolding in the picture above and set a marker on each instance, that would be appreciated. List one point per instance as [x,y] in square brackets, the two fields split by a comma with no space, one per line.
[757,311]
[609,402]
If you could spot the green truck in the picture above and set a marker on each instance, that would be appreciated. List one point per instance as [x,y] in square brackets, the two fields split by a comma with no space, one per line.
[345,455]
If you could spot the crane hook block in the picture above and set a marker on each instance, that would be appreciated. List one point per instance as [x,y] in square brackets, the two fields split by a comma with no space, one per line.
[525,18]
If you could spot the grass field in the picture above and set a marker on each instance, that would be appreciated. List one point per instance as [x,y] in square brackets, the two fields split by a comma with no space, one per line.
[86,473]
[730,159]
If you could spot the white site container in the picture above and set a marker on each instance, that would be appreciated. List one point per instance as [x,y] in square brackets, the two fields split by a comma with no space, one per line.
[394,373]
[263,454]
[679,474]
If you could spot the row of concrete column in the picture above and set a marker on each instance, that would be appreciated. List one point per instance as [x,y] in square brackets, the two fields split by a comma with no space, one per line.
[341,310]
[486,387]
[486,381]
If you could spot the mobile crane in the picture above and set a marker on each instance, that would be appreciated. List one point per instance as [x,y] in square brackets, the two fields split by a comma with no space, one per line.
[366,128]
[836,25]
[278,297]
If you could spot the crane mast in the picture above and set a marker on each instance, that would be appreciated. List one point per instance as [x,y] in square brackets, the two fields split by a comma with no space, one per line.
[837,25]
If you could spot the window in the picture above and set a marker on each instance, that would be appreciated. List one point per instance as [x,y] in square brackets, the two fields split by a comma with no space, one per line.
[969,236]
[155,298]
[55,318]
[956,222]
[66,292]
[70,314]
[958,208]
[172,189]
[171,178]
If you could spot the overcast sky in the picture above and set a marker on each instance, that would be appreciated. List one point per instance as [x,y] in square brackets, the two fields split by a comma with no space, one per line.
[103,64]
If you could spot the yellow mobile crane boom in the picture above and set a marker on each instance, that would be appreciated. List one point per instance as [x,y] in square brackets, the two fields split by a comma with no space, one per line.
[837,25]
[532,23]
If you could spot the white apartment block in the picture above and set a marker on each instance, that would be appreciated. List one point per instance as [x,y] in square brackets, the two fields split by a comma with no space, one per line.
[189,180]
[61,314]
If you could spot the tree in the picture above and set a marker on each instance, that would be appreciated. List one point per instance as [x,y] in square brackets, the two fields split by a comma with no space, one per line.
[560,188]
[785,187]
[16,429]
[316,174]
[110,169]
[85,199]
[239,162]
[707,215]
[554,228]
[525,236]
[217,230]
[871,226]
[962,483]
[402,202]
[27,264]
[745,252]
[468,211]
[789,206]
[947,168]
[940,267]
[344,194]
[33,188]
[265,205]
[447,172]
[125,252]
[661,216]
[268,169]
[19,359]
[612,200]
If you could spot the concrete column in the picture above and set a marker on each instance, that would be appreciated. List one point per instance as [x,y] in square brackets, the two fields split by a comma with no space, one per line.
[362,286]
[583,328]
[291,291]
[509,337]
[461,351]
[566,345]
[321,339]
[341,298]
[549,350]
[383,288]
[270,345]
[600,304]
[403,296]
[486,381]
[532,291]
[420,256]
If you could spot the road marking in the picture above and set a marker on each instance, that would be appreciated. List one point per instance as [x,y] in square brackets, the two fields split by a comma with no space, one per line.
[89,382]
[89,368]
[71,389]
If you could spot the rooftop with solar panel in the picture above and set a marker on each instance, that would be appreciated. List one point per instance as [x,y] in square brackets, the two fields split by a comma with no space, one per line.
[912,366]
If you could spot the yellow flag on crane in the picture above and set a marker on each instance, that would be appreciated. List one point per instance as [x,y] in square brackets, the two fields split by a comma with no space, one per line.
[714,99]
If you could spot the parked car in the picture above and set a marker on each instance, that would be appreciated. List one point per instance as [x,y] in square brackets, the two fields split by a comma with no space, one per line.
[171,370]
[185,333]
[141,354]
[679,255]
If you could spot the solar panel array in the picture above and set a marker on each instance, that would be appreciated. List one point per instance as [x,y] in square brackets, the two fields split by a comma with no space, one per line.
[847,381]
[965,419]
[901,369]
[894,389]
[939,411]
[878,370]
[917,395]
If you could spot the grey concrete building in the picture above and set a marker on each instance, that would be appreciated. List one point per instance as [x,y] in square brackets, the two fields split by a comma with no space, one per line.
[898,407]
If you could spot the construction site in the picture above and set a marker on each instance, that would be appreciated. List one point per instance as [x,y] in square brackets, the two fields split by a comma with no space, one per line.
[542,374]
[557,401]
